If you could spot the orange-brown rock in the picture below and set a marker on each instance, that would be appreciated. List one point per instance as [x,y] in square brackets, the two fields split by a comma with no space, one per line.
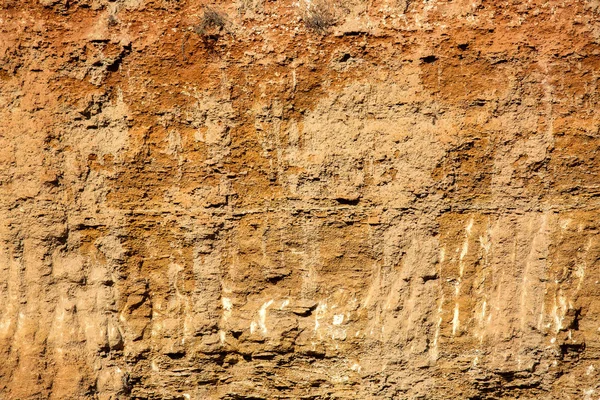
[383,199]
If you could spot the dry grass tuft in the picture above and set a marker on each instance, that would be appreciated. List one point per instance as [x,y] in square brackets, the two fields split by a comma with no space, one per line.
[319,16]
[211,20]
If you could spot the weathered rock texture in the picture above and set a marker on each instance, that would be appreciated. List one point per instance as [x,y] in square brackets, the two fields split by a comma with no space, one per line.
[398,201]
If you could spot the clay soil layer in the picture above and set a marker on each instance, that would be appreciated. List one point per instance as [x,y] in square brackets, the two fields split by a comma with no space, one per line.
[325,199]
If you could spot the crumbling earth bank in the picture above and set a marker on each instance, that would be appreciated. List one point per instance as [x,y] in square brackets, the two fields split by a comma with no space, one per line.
[236,200]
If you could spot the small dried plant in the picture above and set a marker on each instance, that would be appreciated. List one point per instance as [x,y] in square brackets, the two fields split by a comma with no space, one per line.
[319,16]
[211,20]
[209,28]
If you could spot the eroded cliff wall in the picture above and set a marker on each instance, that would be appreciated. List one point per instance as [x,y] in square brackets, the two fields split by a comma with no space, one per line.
[244,201]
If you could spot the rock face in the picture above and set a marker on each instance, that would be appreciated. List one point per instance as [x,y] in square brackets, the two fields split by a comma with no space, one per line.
[383,199]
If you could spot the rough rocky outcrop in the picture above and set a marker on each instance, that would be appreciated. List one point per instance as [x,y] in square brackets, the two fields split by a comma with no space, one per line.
[240,201]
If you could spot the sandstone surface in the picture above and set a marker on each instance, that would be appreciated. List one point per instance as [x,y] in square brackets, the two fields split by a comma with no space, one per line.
[382,199]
